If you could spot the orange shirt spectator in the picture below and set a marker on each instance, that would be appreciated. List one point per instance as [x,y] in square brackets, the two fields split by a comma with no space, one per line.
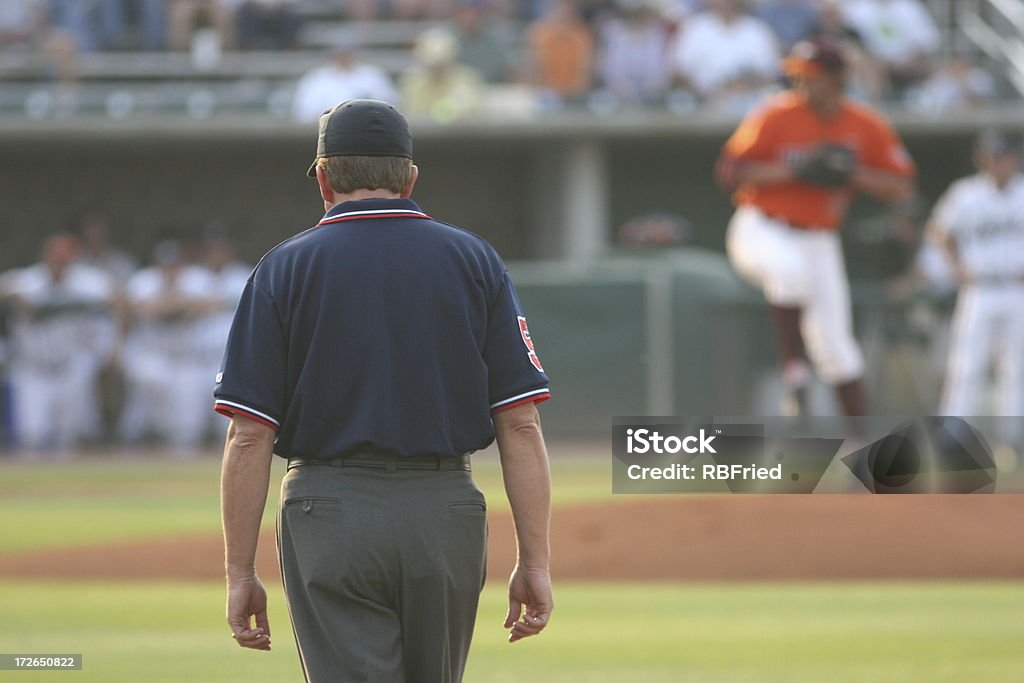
[562,49]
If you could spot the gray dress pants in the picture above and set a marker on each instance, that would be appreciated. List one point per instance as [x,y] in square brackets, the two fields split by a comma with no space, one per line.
[382,570]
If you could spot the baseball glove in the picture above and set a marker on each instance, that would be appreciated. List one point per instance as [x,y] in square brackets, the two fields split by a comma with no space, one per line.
[827,165]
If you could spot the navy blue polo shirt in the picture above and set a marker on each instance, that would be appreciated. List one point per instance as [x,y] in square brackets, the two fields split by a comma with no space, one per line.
[379,328]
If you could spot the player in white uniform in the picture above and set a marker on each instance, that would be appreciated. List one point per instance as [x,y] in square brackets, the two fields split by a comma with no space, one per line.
[980,221]
[98,251]
[63,332]
[227,280]
[168,378]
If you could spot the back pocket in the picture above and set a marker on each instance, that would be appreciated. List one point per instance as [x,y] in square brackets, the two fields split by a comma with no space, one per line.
[308,504]
[468,508]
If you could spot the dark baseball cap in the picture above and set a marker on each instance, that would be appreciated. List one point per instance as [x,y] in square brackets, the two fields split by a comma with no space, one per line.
[365,128]
[810,57]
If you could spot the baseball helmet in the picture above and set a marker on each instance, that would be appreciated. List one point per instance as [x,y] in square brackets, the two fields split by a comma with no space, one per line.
[813,57]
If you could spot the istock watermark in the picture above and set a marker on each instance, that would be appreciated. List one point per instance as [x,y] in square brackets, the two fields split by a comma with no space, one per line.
[820,455]
[643,441]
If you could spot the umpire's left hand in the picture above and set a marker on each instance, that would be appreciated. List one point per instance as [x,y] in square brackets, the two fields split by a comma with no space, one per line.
[530,602]
[246,599]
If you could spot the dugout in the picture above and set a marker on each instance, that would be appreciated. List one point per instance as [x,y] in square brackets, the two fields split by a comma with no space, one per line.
[538,190]
[622,332]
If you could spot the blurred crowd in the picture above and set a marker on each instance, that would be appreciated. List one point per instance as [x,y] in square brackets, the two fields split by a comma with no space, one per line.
[599,54]
[92,25]
[96,349]
[607,55]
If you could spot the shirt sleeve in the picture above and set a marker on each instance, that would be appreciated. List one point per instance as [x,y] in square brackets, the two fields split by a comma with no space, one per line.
[885,151]
[253,374]
[752,140]
[945,215]
[515,375]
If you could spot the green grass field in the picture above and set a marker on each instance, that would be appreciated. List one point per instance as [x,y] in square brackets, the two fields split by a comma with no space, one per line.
[173,632]
[656,633]
[89,501]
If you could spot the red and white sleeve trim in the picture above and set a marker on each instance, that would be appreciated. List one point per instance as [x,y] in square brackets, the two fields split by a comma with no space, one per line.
[532,396]
[230,408]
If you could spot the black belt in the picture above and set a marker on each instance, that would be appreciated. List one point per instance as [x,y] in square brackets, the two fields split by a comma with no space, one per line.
[389,462]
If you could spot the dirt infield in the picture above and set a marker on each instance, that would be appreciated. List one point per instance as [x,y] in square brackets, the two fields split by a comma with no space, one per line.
[696,538]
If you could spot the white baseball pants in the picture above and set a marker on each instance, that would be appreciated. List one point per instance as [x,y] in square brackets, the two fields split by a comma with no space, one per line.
[802,269]
[54,408]
[988,326]
[169,396]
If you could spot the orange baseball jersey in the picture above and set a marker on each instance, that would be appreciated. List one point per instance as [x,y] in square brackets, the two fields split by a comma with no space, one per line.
[785,127]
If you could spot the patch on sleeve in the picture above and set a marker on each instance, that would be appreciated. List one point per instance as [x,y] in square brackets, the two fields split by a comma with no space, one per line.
[219,378]
[531,352]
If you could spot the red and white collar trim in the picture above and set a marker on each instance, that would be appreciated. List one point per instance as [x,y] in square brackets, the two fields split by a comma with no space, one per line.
[373,213]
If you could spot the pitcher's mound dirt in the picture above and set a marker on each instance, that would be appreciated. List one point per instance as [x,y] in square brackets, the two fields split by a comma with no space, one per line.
[695,538]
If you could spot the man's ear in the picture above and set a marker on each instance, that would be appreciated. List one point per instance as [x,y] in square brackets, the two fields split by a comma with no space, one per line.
[414,173]
[326,191]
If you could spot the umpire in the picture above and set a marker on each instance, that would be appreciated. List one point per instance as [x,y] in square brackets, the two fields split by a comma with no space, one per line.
[375,352]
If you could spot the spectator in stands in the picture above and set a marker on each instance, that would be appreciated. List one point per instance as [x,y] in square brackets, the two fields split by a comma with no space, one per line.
[791,20]
[901,34]
[268,24]
[342,78]
[21,22]
[78,19]
[59,51]
[129,24]
[865,77]
[676,12]
[373,10]
[632,50]
[486,42]
[561,51]
[185,16]
[97,251]
[167,376]
[957,84]
[437,85]
[69,30]
[422,9]
[596,12]
[726,56]
[108,24]
[63,332]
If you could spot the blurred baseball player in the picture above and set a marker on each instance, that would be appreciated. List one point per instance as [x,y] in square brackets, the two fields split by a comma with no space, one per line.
[795,164]
[63,332]
[168,380]
[97,248]
[980,222]
[227,280]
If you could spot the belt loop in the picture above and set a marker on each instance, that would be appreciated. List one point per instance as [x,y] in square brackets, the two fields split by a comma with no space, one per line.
[392,464]
[438,461]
